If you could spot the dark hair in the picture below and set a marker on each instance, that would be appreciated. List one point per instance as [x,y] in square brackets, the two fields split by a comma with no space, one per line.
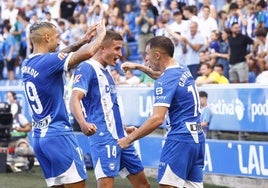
[219,65]
[177,12]
[163,43]
[189,8]
[220,13]
[111,35]
[14,95]
[234,23]
[261,32]
[233,6]
[203,94]
[261,3]
[207,65]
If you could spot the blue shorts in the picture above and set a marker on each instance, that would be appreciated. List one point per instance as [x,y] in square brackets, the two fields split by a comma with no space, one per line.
[181,164]
[109,160]
[61,159]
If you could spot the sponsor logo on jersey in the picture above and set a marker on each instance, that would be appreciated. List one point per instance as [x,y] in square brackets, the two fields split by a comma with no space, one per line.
[61,56]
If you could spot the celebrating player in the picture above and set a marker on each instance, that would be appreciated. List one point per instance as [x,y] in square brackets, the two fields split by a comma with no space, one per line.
[54,143]
[176,95]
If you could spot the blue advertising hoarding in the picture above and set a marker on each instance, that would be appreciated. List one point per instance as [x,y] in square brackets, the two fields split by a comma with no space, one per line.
[235,107]
[222,157]
[238,107]
[241,108]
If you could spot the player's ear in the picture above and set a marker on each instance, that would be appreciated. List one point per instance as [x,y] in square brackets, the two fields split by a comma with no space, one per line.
[46,37]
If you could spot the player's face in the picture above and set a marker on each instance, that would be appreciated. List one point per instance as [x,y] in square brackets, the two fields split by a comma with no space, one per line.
[150,58]
[112,52]
[54,40]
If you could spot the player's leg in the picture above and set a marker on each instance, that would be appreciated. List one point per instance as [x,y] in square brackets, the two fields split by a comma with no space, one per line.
[132,168]
[139,180]
[106,162]
[195,176]
[61,160]
[173,164]
[81,184]
[106,182]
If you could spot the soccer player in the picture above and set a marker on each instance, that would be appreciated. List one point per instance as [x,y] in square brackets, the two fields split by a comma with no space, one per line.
[176,95]
[94,85]
[54,143]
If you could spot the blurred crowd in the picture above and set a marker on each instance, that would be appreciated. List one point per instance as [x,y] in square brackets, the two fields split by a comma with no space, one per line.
[201,34]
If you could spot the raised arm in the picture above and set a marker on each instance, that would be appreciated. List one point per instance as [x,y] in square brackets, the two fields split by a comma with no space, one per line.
[95,36]
[135,66]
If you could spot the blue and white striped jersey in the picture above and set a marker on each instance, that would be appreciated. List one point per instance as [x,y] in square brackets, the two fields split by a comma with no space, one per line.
[100,101]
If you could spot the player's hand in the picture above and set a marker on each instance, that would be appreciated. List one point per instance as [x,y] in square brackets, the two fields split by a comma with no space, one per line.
[123,142]
[128,66]
[88,128]
[90,34]
[130,129]
[101,29]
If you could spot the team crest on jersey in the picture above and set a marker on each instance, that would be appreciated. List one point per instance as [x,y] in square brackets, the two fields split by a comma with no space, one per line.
[61,56]
[112,166]
[76,78]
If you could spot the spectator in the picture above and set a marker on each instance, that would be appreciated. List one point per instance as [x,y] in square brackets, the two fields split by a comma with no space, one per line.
[10,53]
[67,8]
[242,6]
[220,69]
[207,24]
[41,10]
[174,6]
[144,21]
[235,16]
[208,76]
[2,63]
[222,57]
[131,79]
[251,21]
[129,19]
[159,28]
[260,12]
[95,13]
[64,35]
[19,146]
[82,23]
[53,6]
[178,24]
[222,17]
[226,7]
[113,9]
[214,46]
[179,46]
[206,112]
[238,72]
[118,78]
[188,12]
[10,12]
[194,43]
[261,50]
[49,18]
[213,11]
[152,8]
[80,8]
[146,80]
